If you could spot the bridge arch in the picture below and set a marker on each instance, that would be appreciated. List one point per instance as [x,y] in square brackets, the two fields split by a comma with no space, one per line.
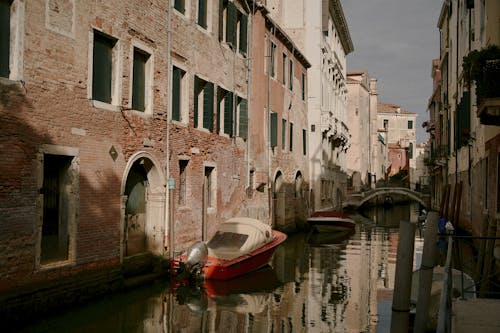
[391,190]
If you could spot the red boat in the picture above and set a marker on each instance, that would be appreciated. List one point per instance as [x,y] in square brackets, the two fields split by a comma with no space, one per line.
[331,221]
[239,246]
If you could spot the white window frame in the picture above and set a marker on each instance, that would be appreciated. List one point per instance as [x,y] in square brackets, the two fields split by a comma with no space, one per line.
[209,16]
[16,48]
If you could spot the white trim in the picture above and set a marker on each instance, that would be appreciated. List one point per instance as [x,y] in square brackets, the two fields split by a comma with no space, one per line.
[148,80]
[16,53]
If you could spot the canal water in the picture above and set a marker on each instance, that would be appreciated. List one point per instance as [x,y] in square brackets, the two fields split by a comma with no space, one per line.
[315,284]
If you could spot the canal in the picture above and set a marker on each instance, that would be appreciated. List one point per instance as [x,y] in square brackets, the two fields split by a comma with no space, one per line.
[315,284]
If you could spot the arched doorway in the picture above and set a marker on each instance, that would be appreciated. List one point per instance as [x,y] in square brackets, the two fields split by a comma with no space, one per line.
[143,207]
[300,202]
[279,200]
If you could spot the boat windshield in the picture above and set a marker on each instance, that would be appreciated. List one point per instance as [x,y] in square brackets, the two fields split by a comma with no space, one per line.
[227,240]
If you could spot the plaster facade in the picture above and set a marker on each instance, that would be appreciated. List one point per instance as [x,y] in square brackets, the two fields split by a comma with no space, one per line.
[320,29]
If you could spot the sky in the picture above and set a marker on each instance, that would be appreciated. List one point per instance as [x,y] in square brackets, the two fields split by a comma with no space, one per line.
[395,41]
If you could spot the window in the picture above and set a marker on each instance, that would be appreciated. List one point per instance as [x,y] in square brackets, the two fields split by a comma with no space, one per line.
[290,83]
[140,80]
[291,137]
[410,124]
[179,94]
[224,111]
[242,109]
[102,68]
[283,69]
[4,38]
[180,5]
[386,124]
[303,86]
[209,187]
[203,104]
[273,138]
[304,142]
[410,150]
[283,134]
[233,26]
[182,182]
[242,27]
[202,13]
[273,60]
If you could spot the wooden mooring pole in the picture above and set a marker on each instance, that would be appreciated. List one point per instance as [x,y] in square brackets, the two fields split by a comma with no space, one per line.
[426,272]
[402,282]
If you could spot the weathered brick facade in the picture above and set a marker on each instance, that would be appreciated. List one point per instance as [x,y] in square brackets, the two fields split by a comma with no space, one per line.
[103,103]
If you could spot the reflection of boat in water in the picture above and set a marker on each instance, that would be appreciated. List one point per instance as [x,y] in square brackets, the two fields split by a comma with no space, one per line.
[327,239]
[240,245]
[330,221]
[248,293]
[262,280]
[463,286]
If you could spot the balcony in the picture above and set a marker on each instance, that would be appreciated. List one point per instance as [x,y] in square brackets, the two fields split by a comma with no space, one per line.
[483,67]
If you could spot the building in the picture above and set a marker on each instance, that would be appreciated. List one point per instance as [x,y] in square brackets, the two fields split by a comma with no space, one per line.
[319,28]
[465,136]
[83,132]
[362,116]
[208,132]
[278,149]
[399,126]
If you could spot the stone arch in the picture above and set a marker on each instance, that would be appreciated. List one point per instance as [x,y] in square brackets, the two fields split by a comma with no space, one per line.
[384,191]
[143,206]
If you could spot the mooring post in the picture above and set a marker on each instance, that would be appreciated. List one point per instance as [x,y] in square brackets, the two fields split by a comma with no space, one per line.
[402,281]
[426,271]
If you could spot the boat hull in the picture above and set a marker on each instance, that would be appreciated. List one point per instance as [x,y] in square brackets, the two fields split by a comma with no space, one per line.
[331,221]
[218,269]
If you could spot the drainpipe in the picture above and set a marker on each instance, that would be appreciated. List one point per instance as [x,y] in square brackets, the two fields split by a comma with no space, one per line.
[169,212]
[269,186]
[249,83]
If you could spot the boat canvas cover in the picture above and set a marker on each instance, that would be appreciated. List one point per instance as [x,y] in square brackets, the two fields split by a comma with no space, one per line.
[238,236]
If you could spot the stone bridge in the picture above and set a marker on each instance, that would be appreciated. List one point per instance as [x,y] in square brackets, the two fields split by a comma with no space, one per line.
[357,200]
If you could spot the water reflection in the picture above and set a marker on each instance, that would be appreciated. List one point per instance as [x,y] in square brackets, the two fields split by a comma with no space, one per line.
[315,284]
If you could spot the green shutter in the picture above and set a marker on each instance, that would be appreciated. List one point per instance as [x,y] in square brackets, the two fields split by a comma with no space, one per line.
[231,24]
[221,20]
[4,37]
[220,96]
[243,34]
[274,129]
[283,133]
[291,137]
[176,93]
[291,75]
[228,113]
[243,119]
[197,86]
[304,142]
[180,6]
[139,81]
[202,13]
[208,106]
[102,68]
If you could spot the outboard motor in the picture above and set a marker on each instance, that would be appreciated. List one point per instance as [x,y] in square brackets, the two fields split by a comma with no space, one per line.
[196,256]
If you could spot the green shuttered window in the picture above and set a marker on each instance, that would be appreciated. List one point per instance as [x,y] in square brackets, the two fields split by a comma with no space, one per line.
[243,129]
[291,137]
[231,24]
[228,113]
[139,81]
[208,106]
[202,13]
[274,129]
[102,68]
[243,34]
[304,142]
[180,6]
[177,75]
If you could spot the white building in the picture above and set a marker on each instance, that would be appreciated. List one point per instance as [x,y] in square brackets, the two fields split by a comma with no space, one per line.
[319,28]
[362,118]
